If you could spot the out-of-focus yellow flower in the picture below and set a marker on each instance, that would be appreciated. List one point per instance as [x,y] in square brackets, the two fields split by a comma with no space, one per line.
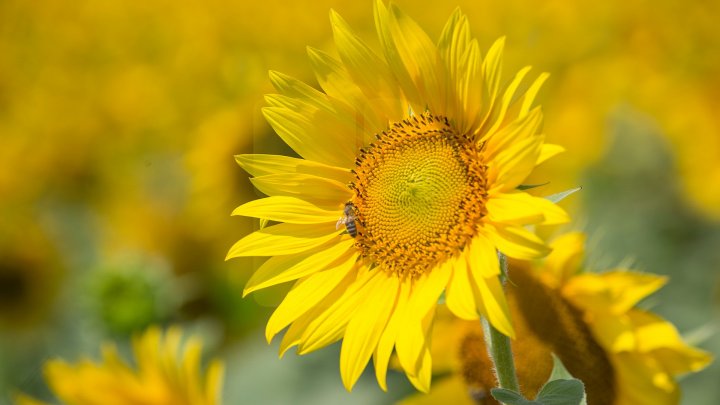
[419,154]
[624,355]
[160,377]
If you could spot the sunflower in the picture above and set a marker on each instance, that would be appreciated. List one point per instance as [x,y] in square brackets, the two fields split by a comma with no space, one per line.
[406,187]
[160,379]
[624,355]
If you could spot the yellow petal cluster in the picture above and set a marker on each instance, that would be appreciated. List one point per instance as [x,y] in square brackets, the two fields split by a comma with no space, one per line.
[166,371]
[624,355]
[418,150]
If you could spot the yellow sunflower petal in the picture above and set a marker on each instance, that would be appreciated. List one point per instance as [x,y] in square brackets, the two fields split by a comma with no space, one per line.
[420,58]
[410,342]
[482,257]
[421,375]
[516,208]
[323,192]
[393,56]
[656,335]
[520,208]
[367,69]
[259,165]
[385,346]
[307,136]
[614,332]
[459,294]
[428,288]
[517,242]
[293,335]
[283,239]
[507,99]
[292,87]
[515,163]
[644,382]
[305,294]
[614,291]
[547,151]
[552,213]
[568,252]
[449,390]
[338,84]
[491,69]
[366,327]
[529,96]
[329,323]
[462,63]
[512,133]
[489,291]
[281,269]
[214,381]
[286,209]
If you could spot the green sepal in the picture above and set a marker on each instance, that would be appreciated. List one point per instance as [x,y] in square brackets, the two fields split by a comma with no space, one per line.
[556,198]
[524,187]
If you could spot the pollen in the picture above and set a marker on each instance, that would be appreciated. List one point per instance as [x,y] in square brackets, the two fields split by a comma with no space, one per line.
[420,192]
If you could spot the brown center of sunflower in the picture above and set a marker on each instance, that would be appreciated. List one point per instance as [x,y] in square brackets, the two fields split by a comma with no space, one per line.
[546,323]
[420,191]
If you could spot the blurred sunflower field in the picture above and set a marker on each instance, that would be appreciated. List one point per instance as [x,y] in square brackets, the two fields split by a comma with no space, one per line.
[119,121]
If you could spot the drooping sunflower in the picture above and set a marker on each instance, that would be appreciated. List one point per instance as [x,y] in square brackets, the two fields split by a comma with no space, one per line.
[623,354]
[158,379]
[406,187]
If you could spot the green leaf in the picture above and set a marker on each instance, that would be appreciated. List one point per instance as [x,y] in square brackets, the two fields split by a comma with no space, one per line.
[524,187]
[562,388]
[510,397]
[556,198]
[562,392]
[559,372]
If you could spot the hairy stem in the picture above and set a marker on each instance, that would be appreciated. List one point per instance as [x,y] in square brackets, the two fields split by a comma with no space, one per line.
[499,348]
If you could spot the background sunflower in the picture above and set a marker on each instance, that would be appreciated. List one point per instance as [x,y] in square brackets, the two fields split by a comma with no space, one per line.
[594,322]
[118,123]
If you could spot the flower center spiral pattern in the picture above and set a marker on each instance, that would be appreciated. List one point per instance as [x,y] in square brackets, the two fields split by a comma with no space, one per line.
[420,192]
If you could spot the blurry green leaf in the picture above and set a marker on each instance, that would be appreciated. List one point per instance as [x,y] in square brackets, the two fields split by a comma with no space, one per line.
[441,300]
[556,198]
[562,392]
[562,388]
[510,397]
[559,372]
[523,187]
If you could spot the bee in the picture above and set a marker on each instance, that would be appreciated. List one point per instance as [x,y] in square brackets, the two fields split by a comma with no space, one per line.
[348,219]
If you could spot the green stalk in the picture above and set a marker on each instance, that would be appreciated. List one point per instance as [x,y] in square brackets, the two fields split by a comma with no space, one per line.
[499,348]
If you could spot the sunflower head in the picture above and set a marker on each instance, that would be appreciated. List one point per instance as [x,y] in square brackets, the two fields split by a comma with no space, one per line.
[416,190]
[159,377]
[622,354]
[406,187]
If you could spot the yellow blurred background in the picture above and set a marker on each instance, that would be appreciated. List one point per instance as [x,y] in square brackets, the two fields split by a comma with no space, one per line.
[119,121]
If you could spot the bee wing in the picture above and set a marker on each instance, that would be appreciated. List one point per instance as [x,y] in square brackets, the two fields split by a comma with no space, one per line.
[342,221]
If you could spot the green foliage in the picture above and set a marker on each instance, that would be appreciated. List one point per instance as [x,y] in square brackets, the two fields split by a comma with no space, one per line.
[561,389]
[524,187]
[556,198]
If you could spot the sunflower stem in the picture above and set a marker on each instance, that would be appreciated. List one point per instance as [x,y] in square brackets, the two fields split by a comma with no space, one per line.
[499,347]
